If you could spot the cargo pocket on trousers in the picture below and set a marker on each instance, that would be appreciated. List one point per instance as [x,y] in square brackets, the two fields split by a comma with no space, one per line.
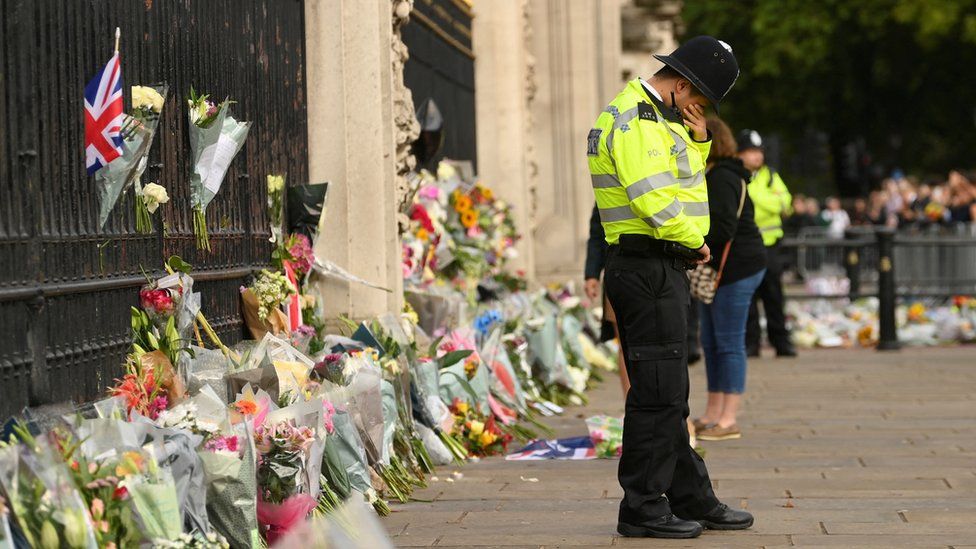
[659,371]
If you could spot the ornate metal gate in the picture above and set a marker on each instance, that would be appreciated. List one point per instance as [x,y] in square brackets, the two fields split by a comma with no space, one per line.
[66,284]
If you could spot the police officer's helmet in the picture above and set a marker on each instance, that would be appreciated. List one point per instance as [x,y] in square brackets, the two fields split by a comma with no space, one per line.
[707,63]
[749,139]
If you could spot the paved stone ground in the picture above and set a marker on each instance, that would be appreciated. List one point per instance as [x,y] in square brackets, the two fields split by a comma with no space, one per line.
[840,449]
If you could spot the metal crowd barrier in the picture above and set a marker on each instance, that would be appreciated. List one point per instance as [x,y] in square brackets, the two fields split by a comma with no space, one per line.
[881,262]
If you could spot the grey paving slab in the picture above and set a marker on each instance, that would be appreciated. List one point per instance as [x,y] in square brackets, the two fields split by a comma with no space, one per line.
[841,449]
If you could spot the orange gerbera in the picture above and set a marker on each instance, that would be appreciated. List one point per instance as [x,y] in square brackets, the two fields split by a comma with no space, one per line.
[422,234]
[462,203]
[469,218]
[246,407]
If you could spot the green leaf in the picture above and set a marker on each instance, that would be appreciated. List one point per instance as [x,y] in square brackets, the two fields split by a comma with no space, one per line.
[176,263]
[453,358]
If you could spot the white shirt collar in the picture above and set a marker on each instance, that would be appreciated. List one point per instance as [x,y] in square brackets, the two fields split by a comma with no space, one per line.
[650,89]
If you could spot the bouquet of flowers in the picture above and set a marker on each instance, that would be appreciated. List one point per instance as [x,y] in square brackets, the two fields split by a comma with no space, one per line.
[282,467]
[44,502]
[144,388]
[152,491]
[230,465]
[148,199]
[262,302]
[138,131]
[161,299]
[607,434]
[215,139]
[276,214]
[480,434]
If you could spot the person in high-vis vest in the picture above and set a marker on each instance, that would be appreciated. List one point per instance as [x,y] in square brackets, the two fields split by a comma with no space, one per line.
[647,153]
[772,201]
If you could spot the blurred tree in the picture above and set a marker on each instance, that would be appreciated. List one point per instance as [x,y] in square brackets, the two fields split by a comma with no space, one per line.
[887,80]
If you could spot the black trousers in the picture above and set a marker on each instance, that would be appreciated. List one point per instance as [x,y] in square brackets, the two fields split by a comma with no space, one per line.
[770,291]
[659,471]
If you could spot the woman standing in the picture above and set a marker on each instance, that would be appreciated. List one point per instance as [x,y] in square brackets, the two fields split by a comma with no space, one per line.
[723,322]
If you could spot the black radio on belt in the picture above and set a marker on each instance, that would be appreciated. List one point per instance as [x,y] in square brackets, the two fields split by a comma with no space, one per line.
[681,252]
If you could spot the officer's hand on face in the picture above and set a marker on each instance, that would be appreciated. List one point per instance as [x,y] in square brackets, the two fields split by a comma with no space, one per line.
[694,116]
[705,253]
[592,288]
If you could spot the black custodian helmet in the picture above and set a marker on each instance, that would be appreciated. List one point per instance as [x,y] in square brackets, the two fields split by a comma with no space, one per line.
[749,139]
[707,63]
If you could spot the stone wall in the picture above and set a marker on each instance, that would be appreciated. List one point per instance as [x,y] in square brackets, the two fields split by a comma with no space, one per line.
[355,141]
[544,71]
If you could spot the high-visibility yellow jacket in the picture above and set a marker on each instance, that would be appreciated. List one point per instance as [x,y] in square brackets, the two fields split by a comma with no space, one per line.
[648,174]
[772,200]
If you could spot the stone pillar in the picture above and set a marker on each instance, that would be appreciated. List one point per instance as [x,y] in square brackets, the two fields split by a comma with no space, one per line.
[648,27]
[576,45]
[352,143]
[504,95]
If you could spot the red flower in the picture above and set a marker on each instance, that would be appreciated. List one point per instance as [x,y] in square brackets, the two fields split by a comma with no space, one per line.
[120,493]
[419,213]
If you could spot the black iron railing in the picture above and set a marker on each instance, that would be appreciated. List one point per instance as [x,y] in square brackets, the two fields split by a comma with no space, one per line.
[66,284]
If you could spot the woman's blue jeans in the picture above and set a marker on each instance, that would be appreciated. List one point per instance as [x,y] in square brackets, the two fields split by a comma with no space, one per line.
[723,335]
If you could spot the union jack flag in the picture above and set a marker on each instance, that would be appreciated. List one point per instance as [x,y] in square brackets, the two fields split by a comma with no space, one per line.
[104,116]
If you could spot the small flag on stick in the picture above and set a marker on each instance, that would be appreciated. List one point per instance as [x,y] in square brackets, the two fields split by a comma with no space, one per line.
[103,114]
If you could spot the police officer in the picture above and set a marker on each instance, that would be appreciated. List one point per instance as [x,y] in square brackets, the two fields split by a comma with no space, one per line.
[772,201]
[647,155]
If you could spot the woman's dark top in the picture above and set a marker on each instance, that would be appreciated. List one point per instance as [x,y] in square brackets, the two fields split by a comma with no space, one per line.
[747,255]
[596,247]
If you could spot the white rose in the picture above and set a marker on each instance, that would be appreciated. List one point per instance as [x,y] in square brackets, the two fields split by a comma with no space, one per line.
[154,195]
[147,97]
[445,171]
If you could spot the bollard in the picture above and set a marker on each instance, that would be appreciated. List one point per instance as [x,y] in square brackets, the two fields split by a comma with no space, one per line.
[888,336]
[852,261]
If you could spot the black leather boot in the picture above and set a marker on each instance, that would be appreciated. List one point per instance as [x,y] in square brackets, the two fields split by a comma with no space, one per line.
[668,526]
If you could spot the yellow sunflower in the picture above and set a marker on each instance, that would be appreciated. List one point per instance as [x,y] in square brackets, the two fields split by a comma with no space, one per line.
[469,218]
[462,203]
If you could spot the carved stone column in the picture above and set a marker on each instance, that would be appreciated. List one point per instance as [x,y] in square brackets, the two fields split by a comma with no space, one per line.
[407,129]
[359,132]
[504,104]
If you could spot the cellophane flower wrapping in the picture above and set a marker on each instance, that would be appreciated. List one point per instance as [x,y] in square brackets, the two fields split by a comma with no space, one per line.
[278,519]
[607,434]
[138,133]
[390,420]
[43,501]
[232,487]
[426,381]
[290,445]
[351,526]
[6,536]
[349,450]
[174,448]
[212,149]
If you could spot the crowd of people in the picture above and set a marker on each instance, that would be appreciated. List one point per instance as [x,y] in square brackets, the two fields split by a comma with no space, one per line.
[904,203]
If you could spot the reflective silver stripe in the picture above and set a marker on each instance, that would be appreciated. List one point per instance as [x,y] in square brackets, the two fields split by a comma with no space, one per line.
[684,165]
[668,213]
[773,228]
[620,120]
[620,213]
[648,184]
[693,181]
[696,208]
[624,117]
[604,181]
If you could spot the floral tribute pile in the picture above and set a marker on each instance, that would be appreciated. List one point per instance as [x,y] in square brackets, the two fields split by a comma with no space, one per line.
[459,234]
[833,323]
[200,444]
